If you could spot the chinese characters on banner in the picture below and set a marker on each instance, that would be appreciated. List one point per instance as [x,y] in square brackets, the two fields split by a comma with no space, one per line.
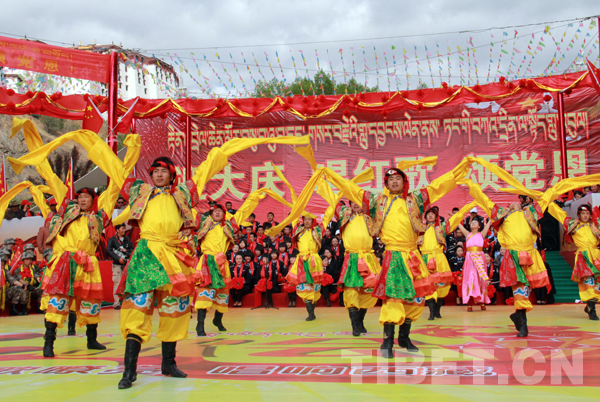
[519,134]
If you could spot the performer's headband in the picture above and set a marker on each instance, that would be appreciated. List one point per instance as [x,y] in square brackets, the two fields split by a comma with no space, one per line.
[584,207]
[394,172]
[86,190]
[166,165]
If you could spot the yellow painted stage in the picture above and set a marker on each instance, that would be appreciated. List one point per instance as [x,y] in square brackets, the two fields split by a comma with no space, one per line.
[275,355]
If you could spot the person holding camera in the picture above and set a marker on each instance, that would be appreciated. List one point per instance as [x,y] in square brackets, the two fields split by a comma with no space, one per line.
[119,249]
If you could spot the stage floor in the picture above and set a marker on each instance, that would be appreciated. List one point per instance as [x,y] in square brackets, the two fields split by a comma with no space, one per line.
[272,354]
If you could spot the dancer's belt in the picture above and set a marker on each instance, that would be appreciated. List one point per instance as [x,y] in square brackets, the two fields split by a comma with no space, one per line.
[474,249]
[403,247]
[431,251]
[169,240]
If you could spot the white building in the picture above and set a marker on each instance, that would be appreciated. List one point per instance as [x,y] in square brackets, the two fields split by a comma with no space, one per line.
[139,75]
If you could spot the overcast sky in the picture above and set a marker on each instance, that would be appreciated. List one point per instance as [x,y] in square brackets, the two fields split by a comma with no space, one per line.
[238,27]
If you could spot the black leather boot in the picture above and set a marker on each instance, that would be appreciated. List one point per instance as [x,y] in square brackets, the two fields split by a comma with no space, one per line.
[523,331]
[49,338]
[71,324]
[133,345]
[217,321]
[200,325]
[431,304]
[24,310]
[438,304]
[387,347]
[354,320]
[168,366]
[92,333]
[404,337]
[591,307]
[514,317]
[310,307]
[14,310]
[362,313]
[269,299]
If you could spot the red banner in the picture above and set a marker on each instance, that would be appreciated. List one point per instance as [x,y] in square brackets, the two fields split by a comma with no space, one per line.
[47,59]
[519,133]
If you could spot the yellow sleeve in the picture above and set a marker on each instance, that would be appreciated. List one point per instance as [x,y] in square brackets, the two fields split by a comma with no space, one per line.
[217,158]
[12,193]
[349,188]
[34,141]
[458,217]
[482,199]
[448,181]
[557,213]
[566,185]
[98,152]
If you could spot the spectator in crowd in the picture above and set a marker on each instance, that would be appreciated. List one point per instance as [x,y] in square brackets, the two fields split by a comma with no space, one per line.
[14,211]
[473,215]
[229,208]
[270,221]
[235,250]
[241,280]
[266,277]
[330,267]
[378,246]
[121,203]
[119,249]
[26,208]
[21,284]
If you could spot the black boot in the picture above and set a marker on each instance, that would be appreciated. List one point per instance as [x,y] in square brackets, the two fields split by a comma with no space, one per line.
[72,322]
[269,299]
[24,310]
[354,320]
[133,345]
[591,306]
[92,333]
[440,302]
[328,302]
[431,304]
[341,300]
[388,341]
[514,317]
[49,338]
[310,307]
[404,337]
[217,321]
[200,325]
[14,310]
[362,313]
[168,366]
[523,331]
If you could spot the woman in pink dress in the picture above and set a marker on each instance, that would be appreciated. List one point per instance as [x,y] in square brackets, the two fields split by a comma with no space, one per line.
[475,278]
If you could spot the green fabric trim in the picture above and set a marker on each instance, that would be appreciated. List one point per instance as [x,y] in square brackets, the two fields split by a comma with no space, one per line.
[73,272]
[306,266]
[145,272]
[521,277]
[353,279]
[589,263]
[398,282]
[215,275]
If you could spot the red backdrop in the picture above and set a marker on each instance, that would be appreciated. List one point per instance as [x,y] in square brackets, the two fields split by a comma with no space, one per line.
[519,133]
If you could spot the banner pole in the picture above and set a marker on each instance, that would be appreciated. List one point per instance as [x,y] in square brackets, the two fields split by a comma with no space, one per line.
[188,148]
[112,100]
[562,135]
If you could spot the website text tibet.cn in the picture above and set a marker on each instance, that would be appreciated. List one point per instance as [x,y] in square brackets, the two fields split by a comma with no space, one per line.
[477,366]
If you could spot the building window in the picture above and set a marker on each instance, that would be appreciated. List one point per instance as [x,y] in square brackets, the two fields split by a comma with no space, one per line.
[127,87]
[139,78]
[146,91]
[126,78]
[119,85]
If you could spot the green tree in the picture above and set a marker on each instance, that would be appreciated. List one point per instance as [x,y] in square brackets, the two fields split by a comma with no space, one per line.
[321,83]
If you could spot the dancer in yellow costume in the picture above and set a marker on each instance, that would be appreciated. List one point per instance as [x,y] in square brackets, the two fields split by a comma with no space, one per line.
[522,267]
[159,268]
[584,232]
[59,190]
[432,244]
[360,267]
[307,272]
[75,273]
[404,281]
[215,235]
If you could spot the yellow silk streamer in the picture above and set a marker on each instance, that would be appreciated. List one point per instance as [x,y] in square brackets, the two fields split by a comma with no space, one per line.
[34,141]
[217,158]
[98,152]
[308,154]
[428,161]
[287,183]
[38,198]
[458,217]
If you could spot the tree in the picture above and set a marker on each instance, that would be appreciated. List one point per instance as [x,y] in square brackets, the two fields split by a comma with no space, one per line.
[321,83]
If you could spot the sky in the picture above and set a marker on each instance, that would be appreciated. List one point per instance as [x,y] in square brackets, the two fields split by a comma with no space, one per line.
[209,36]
